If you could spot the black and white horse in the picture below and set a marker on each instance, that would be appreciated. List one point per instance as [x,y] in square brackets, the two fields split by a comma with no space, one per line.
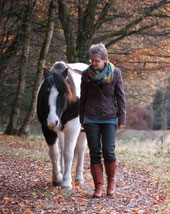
[57,109]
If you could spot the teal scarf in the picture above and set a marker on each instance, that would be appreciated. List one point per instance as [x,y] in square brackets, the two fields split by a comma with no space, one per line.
[103,77]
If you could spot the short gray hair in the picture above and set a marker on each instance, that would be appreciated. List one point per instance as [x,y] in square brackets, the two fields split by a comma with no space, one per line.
[99,50]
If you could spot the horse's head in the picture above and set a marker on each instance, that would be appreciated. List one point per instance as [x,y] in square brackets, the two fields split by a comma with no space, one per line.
[61,94]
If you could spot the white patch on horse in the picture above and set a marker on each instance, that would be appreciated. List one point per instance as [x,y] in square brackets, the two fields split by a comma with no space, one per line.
[77,81]
[52,116]
[76,76]
[78,66]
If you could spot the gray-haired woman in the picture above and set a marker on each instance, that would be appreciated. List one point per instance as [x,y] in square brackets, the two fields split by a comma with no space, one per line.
[102,110]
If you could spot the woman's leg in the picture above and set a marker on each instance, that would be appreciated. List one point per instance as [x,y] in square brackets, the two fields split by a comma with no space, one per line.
[108,135]
[108,147]
[94,144]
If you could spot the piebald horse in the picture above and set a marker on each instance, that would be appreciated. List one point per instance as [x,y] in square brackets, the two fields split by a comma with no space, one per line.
[57,109]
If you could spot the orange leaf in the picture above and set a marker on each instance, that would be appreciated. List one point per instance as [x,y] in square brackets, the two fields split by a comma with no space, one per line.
[91,184]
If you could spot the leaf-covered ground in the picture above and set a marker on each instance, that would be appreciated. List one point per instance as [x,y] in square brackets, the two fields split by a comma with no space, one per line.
[25,185]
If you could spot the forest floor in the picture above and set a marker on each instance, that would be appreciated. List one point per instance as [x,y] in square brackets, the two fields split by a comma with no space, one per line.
[25,185]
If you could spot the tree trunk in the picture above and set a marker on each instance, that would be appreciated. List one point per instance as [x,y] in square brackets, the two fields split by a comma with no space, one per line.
[66,22]
[25,129]
[85,29]
[15,113]
[164,110]
[87,26]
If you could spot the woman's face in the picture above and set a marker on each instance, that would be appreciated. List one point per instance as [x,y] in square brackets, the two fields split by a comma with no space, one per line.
[97,62]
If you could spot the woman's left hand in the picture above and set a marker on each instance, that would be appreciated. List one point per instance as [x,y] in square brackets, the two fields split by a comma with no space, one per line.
[121,126]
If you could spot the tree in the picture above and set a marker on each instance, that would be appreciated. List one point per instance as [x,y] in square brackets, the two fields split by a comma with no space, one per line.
[136,36]
[161,107]
[25,129]
[108,22]
[140,118]
[27,23]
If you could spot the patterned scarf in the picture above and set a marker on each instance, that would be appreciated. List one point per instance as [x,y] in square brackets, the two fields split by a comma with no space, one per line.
[105,76]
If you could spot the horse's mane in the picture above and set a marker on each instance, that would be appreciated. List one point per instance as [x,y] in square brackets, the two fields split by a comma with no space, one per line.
[64,85]
[57,80]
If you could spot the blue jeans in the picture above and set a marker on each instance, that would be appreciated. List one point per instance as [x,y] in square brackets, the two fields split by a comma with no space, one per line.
[101,142]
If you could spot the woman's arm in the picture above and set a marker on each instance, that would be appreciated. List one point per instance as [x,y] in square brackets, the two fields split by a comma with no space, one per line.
[83,97]
[120,98]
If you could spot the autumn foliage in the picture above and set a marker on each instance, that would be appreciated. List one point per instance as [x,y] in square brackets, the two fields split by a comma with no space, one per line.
[35,34]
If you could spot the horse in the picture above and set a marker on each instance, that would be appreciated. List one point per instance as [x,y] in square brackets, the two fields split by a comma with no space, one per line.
[57,111]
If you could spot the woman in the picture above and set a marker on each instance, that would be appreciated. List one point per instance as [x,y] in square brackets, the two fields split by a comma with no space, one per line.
[102,109]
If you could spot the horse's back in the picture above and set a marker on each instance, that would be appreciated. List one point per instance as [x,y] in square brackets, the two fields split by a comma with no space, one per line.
[78,66]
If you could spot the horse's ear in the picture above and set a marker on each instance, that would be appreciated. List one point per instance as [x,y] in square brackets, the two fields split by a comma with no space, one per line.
[65,73]
[46,73]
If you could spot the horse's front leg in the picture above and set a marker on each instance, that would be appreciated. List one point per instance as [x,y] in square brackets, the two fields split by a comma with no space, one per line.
[61,145]
[79,153]
[55,160]
[71,131]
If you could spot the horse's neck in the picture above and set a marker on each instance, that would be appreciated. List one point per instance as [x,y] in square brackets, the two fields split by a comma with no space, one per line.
[77,81]
[76,73]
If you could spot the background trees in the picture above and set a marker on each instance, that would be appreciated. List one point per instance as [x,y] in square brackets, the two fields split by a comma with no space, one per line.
[161,107]
[36,33]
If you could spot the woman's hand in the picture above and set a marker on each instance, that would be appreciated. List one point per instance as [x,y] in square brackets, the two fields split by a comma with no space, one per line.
[121,126]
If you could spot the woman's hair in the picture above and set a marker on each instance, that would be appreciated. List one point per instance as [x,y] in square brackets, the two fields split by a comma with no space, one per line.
[99,50]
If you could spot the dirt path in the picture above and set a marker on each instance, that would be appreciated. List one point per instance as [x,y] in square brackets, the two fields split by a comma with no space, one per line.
[25,188]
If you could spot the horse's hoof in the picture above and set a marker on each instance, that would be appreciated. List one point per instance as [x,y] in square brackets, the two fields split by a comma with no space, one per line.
[79,180]
[66,187]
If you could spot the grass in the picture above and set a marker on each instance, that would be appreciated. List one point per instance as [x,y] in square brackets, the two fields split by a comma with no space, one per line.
[35,148]
[148,150]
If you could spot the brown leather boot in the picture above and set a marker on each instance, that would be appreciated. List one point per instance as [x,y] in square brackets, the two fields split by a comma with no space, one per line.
[97,174]
[110,171]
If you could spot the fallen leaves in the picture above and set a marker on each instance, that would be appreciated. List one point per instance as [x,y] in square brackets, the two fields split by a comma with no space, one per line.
[26,188]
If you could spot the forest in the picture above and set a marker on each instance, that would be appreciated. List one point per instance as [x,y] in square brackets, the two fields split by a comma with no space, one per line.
[36,33]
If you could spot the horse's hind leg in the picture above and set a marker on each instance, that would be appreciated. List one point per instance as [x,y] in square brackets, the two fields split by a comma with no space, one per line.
[79,153]
[52,140]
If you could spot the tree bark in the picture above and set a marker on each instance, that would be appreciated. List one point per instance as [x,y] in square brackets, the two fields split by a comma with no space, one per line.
[164,109]
[87,27]
[15,113]
[66,22]
[25,129]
